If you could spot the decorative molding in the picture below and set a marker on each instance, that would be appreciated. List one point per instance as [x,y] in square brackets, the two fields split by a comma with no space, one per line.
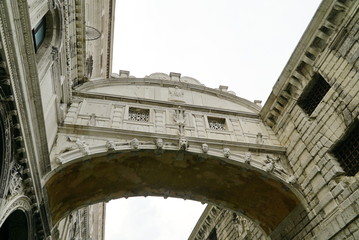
[18,203]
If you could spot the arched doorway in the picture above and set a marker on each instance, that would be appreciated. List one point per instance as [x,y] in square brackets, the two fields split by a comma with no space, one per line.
[15,227]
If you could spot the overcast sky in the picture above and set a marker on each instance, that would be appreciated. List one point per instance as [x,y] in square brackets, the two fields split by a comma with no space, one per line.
[241,44]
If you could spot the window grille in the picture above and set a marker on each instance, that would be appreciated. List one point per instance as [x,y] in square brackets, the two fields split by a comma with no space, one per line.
[138,114]
[38,33]
[217,123]
[347,151]
[313,94]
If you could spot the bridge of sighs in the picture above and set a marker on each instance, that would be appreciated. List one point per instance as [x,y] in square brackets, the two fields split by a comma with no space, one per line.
[167,135]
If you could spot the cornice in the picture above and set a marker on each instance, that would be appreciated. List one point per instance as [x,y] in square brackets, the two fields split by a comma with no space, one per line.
[115,133]
[330,15]
[80,38]
[166,83]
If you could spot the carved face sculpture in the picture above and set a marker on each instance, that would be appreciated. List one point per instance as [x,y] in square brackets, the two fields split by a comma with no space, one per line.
[205,148]
[135,143]
[183,143]
[226,152]
[247,157]
[159,143]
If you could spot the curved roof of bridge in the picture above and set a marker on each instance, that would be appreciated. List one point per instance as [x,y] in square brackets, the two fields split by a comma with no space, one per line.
[172,88]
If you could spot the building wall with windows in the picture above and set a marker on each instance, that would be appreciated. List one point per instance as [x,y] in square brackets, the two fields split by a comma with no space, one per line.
[220,224]
[313,109]
[51,50]
[43,52]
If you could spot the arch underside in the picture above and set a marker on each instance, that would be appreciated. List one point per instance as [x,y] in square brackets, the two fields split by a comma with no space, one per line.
[178,174]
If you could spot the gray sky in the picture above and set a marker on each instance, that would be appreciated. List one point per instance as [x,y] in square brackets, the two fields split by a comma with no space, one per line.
[241,44]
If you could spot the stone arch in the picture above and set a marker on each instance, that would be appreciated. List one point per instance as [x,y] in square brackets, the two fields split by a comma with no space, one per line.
[15,227]
[101,173]
[6,143]
[15,222]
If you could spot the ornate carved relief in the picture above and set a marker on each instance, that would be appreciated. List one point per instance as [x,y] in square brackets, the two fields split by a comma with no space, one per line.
[226,152]
[180,120]
[176,94]
[183,143]
[273,164]
[19,202]
[16,185]
[82,146]
[204,148]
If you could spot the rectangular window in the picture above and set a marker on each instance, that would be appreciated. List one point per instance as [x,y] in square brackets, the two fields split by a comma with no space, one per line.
[217,123]
[38,33]
[138,114]
[347,150]
[313,94]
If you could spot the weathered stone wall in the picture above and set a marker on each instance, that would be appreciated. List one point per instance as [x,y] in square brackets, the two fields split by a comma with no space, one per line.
[331,196]
[222,224]
[329,51]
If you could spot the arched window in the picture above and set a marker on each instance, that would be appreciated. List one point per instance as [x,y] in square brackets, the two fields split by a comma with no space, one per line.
[39,33]
[15,227]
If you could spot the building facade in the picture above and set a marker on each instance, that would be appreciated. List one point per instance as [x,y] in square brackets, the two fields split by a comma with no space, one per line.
[47,47]
[73,135]
[313,110]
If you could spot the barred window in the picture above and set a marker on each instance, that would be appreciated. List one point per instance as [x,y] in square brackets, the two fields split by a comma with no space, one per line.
[217,123]
[313,94]
[213,235]
[138,114]
[347,150]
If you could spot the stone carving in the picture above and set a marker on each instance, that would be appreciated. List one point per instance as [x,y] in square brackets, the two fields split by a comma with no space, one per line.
[16,185]
[159,143]
[226,152]
[273,164]
[247,157]
[292,179]
[242,225]
[58,159]
[110,145]
[181,121]
[55,53]
[82,146]
[20,202]
[92,120]
[89,66]
[183,143]
[259,139]
[205,148]
[176,95]
[135,143]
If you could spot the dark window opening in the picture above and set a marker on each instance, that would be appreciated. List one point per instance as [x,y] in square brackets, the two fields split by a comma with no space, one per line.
[313,94]
[15,227]
[213,235]
[347,150]
[38,33]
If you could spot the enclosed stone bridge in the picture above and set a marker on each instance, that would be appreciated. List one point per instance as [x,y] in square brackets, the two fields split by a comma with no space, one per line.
[167,135]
